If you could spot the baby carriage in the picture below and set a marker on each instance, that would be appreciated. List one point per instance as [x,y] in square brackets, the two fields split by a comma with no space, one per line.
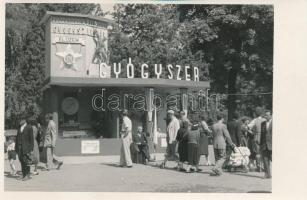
[239,160]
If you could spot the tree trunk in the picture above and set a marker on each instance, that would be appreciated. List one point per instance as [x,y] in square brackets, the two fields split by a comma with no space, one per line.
[231,99]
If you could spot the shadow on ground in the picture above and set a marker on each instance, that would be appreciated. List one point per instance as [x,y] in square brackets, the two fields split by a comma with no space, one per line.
[9,175]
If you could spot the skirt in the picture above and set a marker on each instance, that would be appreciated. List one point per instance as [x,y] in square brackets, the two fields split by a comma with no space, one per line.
[183,151]
[36,151]
[193,154]
[203,144]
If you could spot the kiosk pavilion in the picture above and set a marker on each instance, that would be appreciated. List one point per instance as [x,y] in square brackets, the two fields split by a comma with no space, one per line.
[86,94]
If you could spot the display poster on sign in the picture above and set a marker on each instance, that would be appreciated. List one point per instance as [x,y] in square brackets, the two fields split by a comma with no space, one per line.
[90,147]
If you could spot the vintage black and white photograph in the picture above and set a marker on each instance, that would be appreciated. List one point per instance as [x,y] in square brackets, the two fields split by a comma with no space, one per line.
[159,97]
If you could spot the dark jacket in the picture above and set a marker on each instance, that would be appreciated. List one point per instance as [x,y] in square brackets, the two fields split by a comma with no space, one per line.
[182,135]
[139,139]
[24,140]
[234,128]
[266,136]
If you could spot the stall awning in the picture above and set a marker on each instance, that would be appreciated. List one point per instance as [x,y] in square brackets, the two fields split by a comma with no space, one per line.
[124,82]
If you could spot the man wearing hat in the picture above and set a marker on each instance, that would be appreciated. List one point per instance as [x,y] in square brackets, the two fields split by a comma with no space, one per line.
[24,146]
[126,136]
[171,134]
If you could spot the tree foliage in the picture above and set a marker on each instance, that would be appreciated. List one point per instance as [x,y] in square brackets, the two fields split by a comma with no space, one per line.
[152,34]
[237,41]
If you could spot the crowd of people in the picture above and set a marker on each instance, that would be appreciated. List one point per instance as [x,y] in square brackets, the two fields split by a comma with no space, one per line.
[187,142]
[31,140]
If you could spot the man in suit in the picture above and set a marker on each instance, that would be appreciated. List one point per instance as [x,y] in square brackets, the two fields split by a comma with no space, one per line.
[24,145]
[50,142]
[266,143]
[234,128]
[220,133]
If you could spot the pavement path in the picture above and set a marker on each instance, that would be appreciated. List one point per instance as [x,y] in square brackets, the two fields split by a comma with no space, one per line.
[108,177]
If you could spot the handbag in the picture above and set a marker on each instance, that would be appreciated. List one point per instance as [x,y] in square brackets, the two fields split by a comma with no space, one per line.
[30,159]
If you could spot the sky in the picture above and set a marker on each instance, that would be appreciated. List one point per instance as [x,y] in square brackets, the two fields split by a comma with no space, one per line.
[106,8]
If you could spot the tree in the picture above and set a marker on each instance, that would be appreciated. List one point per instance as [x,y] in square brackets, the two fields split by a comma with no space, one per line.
[237,41]
[150,34]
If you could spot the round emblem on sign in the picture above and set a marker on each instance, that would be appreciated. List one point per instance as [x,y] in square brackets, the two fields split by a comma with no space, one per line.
[69,59]
[70,105]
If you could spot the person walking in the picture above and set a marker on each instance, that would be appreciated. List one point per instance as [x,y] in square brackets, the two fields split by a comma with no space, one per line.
[193,150]
[35,147]
[203,140]
[171,134]
[220,134]
[266,144]
[126,138]
[255,126]
[24,147]
[183,140]
[50,143]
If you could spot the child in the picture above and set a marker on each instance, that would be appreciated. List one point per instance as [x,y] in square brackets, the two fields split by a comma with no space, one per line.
[140,140]
[11,155]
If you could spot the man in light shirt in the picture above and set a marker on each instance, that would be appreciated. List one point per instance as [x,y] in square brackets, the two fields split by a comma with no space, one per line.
[126,137]
[171,134]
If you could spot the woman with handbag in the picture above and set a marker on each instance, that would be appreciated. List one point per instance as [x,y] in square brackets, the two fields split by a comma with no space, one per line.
[193,150]
[24,148]
[35,147]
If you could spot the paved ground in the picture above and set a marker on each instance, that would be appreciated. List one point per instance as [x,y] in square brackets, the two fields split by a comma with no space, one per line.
[108,177]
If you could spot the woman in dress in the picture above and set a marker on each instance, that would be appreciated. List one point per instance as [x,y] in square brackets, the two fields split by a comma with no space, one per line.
[36,136]
[193,150]
[203,140]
